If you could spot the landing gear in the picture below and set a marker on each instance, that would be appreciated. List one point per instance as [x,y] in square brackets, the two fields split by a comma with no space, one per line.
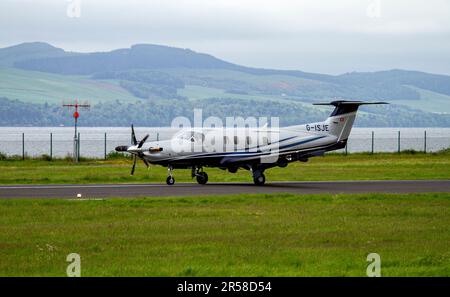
[170,179]
[202,178]
[259,178]
[232,169]
[200,175]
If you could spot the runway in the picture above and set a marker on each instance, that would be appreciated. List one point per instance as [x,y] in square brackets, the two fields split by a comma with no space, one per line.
[193,189]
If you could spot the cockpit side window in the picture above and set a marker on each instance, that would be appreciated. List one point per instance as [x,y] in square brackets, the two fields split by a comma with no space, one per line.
[192,136]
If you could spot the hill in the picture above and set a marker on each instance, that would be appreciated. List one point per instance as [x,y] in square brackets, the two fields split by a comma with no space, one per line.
[140,56]
[386,85]
[157,76]
[9,56]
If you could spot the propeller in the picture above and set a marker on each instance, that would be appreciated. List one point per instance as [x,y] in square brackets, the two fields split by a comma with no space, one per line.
[134,165]
[133,135]
[139,145]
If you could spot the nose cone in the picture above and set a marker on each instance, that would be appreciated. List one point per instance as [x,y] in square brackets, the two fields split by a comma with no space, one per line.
[133,149]
[121,148]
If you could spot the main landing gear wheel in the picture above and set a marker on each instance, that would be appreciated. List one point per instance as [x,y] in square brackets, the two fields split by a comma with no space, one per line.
[170,180]
[202,178]
[259,179]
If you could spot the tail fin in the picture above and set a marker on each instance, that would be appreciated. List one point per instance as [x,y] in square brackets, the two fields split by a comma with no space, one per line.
[341,120]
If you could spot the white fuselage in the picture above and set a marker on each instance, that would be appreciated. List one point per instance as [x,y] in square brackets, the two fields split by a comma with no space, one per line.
[248,143]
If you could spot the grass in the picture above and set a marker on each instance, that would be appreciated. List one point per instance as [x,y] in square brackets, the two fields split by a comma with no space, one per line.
[383,166]
[194,92]
[429,101]
[243,235]
[40,87]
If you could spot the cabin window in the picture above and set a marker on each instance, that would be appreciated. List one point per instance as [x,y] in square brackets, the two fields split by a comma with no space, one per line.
[236,141]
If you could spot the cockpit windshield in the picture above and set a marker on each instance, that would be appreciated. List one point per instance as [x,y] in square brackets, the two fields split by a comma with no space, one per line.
[191,136]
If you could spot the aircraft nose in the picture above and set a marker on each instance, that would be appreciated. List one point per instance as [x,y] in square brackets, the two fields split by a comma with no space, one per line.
[121,148]
[133,149]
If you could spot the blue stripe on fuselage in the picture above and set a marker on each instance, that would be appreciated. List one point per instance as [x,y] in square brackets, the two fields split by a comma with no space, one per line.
[249,153]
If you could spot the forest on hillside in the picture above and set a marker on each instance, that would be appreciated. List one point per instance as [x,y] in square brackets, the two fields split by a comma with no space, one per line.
[161,113]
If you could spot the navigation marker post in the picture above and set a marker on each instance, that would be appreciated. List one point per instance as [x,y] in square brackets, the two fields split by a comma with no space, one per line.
[76,138]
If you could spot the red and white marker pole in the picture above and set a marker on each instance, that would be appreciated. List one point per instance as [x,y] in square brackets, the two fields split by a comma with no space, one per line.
[76,141]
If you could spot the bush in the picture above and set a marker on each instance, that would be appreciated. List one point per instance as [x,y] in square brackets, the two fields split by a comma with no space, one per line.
[410,152]
[444,151]
[68,157]
[113,155]
[45,157]
[3,156]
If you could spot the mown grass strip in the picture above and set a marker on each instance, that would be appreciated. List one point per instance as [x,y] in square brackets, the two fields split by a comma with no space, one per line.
[405,166]
[239,235]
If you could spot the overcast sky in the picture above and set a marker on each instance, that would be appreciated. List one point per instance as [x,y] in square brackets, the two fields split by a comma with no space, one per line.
[325,36]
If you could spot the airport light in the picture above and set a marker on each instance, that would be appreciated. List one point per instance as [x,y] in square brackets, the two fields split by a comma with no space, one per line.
[76,115]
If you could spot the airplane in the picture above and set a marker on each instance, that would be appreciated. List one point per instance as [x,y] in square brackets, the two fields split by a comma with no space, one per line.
[187,148]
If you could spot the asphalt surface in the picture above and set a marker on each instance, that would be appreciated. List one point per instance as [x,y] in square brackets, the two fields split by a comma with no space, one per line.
[192,189]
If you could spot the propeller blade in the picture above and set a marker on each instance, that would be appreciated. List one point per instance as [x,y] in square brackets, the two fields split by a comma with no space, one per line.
[145,162]
[133,135]
[141,143]
[134,165]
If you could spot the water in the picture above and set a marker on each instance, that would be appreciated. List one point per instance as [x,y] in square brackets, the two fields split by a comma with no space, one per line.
[386,139]
[92,143]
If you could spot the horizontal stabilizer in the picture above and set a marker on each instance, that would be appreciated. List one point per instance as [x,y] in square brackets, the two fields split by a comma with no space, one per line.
[345,102]
[346,107]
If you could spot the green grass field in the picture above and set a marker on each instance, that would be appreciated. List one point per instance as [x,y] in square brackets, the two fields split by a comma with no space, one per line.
[40,87]
[429,101]
[331,167]
[245,235]
[234,235]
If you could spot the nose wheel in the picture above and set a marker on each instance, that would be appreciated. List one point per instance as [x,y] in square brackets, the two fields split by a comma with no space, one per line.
[170,179]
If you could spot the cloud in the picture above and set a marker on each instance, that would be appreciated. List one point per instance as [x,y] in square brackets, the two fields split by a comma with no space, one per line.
[353,34]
